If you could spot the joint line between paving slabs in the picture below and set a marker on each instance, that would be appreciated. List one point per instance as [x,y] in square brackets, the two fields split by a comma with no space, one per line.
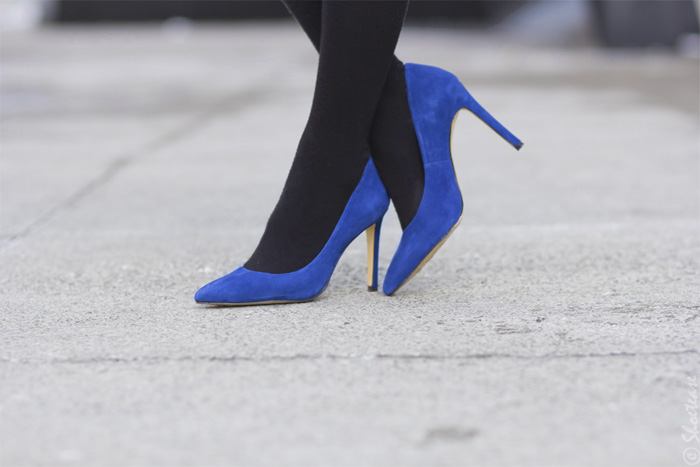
[331,357]
[242,101]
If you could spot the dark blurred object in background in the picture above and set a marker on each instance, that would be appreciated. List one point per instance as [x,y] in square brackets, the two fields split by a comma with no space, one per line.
[644,23]
[629,23]
[70,11]
[154,10]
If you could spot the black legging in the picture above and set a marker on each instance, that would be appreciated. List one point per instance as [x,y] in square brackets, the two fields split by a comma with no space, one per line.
[359,109]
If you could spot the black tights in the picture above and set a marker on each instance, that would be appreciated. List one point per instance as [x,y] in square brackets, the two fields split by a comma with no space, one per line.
[359,109]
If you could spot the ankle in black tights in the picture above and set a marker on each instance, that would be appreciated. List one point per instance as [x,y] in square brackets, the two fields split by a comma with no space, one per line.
[393,140]
[357,41]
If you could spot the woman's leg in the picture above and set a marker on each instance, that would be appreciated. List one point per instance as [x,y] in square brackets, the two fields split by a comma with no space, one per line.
[357,44]
[393,139]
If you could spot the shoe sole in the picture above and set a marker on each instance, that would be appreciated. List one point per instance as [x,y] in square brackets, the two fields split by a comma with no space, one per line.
[271,302]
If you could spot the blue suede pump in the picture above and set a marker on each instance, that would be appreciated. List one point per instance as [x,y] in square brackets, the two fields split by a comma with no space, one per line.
[364,212]
[434,96]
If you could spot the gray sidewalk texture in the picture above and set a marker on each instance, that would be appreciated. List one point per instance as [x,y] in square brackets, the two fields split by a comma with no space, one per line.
[558,326]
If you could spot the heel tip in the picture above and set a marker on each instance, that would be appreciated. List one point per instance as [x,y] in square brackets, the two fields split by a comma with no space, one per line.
[371,289]
[519,146]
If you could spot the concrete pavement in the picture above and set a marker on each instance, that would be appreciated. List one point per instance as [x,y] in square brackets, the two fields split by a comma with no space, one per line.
[558,325]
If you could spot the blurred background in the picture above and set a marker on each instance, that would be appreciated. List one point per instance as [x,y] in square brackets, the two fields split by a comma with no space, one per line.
[623,23]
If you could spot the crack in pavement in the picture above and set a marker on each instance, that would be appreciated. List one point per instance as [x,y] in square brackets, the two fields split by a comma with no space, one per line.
[242,100]
[317,357]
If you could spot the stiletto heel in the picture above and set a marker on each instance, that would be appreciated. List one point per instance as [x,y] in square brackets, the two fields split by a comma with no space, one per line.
[434,97]
[373,255]
[365,208]
[469,103]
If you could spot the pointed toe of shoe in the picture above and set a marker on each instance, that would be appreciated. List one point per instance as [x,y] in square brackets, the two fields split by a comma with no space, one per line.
[229,289]
[204,296]
[201,295]
[391,284]
[210,293]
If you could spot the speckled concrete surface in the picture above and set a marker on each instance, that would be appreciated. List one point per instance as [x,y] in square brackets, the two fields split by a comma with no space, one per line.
[557,326]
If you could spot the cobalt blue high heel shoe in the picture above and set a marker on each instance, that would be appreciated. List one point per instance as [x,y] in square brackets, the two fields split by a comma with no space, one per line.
[364,212]
[435,96]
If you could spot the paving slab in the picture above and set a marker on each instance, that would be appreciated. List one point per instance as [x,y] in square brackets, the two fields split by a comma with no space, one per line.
[558,326]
